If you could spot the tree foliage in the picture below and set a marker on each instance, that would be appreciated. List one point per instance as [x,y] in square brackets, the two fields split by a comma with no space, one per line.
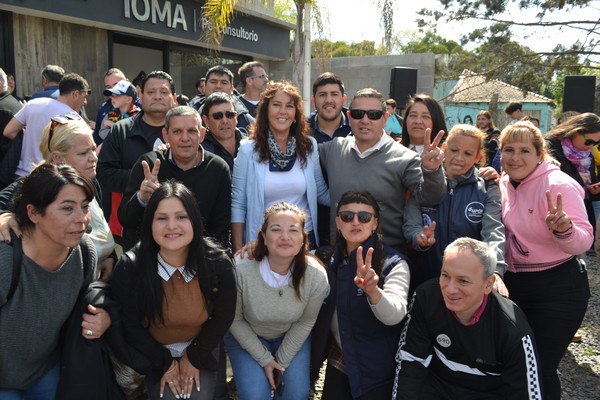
[498,23]
[499,58]
[324,48]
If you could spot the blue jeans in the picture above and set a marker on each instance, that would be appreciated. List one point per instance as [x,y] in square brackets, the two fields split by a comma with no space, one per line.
[43,389]
[250,378]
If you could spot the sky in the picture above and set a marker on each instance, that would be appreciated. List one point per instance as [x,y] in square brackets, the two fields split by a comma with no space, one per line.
[357,20]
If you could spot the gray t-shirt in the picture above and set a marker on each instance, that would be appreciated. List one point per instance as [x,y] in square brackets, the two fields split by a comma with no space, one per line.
[31,320]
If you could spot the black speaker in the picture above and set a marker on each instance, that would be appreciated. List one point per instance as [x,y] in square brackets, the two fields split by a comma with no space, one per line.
[579,93]
[403,85]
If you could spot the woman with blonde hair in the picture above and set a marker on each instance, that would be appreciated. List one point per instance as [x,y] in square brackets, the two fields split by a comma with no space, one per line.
[67,139]
[546,228]
[471,208]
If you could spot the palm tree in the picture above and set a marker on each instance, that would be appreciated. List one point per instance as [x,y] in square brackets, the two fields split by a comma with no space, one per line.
[219,14]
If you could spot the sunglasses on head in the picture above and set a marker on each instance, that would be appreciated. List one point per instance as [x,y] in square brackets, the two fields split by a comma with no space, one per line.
[219,115]
[373,115]
[588,141]
[61,119]
[348,216]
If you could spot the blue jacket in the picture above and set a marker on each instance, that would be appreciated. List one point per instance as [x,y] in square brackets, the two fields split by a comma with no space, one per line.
[51,91]
[368,345]
[470,208]
[248,189]
[342,131]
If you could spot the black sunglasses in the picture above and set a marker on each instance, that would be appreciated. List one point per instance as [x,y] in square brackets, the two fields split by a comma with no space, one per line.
[373,115]
[348,216]
[589,142]
[219,115]
[61,119]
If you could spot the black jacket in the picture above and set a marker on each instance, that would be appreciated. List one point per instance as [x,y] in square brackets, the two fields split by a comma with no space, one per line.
[556,151]
[85,367]
[210,182]
[126,142]
[220,302]
[9,106]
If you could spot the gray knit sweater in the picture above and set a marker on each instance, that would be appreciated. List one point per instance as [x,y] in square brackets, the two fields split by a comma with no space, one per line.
[271,313]
[31,320]
[387,174]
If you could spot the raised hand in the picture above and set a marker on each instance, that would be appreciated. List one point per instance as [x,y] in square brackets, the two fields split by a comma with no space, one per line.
[366,278]
[557,220]
[431,157]
[427,236]
[150,182]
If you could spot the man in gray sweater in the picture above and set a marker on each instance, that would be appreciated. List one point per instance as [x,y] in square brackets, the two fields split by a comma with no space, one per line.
[369,160]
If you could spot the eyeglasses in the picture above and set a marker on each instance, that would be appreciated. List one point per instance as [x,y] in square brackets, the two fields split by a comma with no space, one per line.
[263,76]
[219,115]
[61,119]
[588,141]
[348,216]
[373,115]
[88,91]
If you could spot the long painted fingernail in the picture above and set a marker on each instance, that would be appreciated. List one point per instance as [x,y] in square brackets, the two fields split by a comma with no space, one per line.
[198,387]
[161,395]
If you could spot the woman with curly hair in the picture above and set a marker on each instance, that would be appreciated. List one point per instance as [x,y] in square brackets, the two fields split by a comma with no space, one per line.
[280,162]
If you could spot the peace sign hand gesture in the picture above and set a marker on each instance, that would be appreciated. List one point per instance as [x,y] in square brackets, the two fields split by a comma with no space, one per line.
[557,220]
[432,158]
[426,237]
[366,278]
[150,182]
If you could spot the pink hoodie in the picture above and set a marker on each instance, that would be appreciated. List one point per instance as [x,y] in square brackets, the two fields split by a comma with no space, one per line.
[530,245]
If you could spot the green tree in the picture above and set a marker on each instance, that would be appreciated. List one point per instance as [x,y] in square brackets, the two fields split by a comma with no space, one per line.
[219,14]
[324,48]
[498,24]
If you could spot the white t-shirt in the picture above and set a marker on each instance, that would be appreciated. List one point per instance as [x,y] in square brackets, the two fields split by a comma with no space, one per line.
[35,115]
[289,186]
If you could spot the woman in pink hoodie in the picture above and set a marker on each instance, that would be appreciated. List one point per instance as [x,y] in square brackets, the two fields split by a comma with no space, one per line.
[546,228]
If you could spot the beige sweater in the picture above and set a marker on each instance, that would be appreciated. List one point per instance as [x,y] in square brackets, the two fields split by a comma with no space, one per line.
[271,313]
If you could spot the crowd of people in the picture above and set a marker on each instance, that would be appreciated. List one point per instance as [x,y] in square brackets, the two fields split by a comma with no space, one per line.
[420,263]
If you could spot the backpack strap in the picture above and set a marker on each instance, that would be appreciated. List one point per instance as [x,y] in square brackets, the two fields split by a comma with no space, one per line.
[17,256]
[17,246]
[85,257]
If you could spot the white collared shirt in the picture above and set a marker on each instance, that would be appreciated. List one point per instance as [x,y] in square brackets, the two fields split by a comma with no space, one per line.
[376,147]
[166,271]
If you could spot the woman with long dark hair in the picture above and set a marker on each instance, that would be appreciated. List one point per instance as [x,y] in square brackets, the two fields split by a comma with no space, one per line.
[571,144]
[358,327]
[280,162]
[422,112]
[280,293]
[177,292]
